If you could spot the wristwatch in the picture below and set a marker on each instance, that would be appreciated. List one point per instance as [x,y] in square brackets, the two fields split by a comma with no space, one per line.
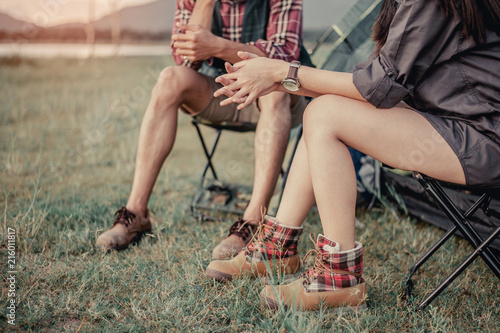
[290,82]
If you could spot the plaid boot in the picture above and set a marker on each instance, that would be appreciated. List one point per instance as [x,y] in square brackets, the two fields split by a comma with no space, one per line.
[273,246]
[334,280]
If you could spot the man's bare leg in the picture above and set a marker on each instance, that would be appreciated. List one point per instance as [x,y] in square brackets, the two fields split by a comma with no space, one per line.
[271,141]
[157,135]
[176,86]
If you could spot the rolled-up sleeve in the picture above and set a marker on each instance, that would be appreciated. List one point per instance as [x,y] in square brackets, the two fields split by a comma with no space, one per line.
[284,31]
[417,33]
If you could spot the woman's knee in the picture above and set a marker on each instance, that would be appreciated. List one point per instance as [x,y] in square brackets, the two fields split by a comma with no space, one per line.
[321,117]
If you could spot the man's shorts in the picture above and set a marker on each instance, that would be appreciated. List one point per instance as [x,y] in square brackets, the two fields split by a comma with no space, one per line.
[229,113]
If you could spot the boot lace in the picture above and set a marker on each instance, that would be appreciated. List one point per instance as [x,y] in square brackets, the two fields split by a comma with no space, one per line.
[261,233]
[124,216]
[320,267]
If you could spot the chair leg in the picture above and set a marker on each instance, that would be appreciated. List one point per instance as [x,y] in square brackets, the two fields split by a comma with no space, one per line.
[435,247]
[208,165]
[459,269]
[208,154]
[460,221]
[421,261]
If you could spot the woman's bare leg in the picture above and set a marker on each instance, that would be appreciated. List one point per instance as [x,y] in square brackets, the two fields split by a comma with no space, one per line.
[298,197]
[398,137]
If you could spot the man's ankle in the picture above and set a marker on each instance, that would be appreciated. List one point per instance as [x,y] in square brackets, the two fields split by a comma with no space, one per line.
[253,215]
[254,221]
[137,211]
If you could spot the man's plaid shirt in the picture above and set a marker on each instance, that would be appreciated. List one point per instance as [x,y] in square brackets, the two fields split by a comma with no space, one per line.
[284,29]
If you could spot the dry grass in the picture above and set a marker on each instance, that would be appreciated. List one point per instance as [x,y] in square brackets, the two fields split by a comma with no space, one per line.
[68,133]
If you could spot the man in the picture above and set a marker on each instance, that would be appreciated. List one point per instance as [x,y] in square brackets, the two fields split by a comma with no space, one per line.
[209,33]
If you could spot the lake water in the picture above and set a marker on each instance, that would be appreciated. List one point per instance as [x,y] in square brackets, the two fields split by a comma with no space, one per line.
[34,50]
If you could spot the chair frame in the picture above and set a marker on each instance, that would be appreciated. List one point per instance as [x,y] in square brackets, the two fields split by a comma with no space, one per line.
[460,223]
[242,128]
[209,154]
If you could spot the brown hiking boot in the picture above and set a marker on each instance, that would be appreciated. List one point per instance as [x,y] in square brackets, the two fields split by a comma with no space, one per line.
[334,281]
[274,247]
[237,238]
[127,229]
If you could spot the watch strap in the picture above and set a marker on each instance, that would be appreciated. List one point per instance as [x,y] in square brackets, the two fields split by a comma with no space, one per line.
[293,70]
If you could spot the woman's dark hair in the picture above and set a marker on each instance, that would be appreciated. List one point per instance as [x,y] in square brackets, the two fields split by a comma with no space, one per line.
[476,15]
[381,26]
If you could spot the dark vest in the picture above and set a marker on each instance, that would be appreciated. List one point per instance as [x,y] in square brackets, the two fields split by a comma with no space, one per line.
[254,27]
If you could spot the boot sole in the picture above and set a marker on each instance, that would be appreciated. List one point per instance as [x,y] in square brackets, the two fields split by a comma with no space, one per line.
[134,241]
[273,305]
[219,276]
[286,278]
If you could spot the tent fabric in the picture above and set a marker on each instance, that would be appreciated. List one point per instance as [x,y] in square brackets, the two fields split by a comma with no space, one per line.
[349,41]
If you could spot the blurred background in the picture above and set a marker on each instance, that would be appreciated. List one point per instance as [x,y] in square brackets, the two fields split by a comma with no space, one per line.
[75,79]
[112,27]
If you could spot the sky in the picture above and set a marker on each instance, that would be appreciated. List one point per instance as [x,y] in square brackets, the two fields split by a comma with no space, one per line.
[53,12]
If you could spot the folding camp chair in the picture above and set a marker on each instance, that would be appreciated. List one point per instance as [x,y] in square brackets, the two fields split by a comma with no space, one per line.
[461,224]
[348,42]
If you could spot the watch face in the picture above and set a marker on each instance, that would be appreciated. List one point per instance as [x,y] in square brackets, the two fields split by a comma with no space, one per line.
[290,85]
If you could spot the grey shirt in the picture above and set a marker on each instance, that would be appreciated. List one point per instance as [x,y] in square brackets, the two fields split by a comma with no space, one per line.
[427,63]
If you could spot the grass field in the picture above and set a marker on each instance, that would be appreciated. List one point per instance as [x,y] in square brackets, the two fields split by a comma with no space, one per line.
[68,133]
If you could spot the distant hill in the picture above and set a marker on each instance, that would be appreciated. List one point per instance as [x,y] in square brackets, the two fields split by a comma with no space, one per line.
[154,18]
[152,21]
[10,24]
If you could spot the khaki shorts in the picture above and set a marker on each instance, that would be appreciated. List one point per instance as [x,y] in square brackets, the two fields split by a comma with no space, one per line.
[229,113]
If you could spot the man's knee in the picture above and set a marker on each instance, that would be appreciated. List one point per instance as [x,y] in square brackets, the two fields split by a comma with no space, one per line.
[275,108]
[172,82]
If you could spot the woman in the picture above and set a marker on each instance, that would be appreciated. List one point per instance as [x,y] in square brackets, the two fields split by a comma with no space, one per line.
[428,100]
